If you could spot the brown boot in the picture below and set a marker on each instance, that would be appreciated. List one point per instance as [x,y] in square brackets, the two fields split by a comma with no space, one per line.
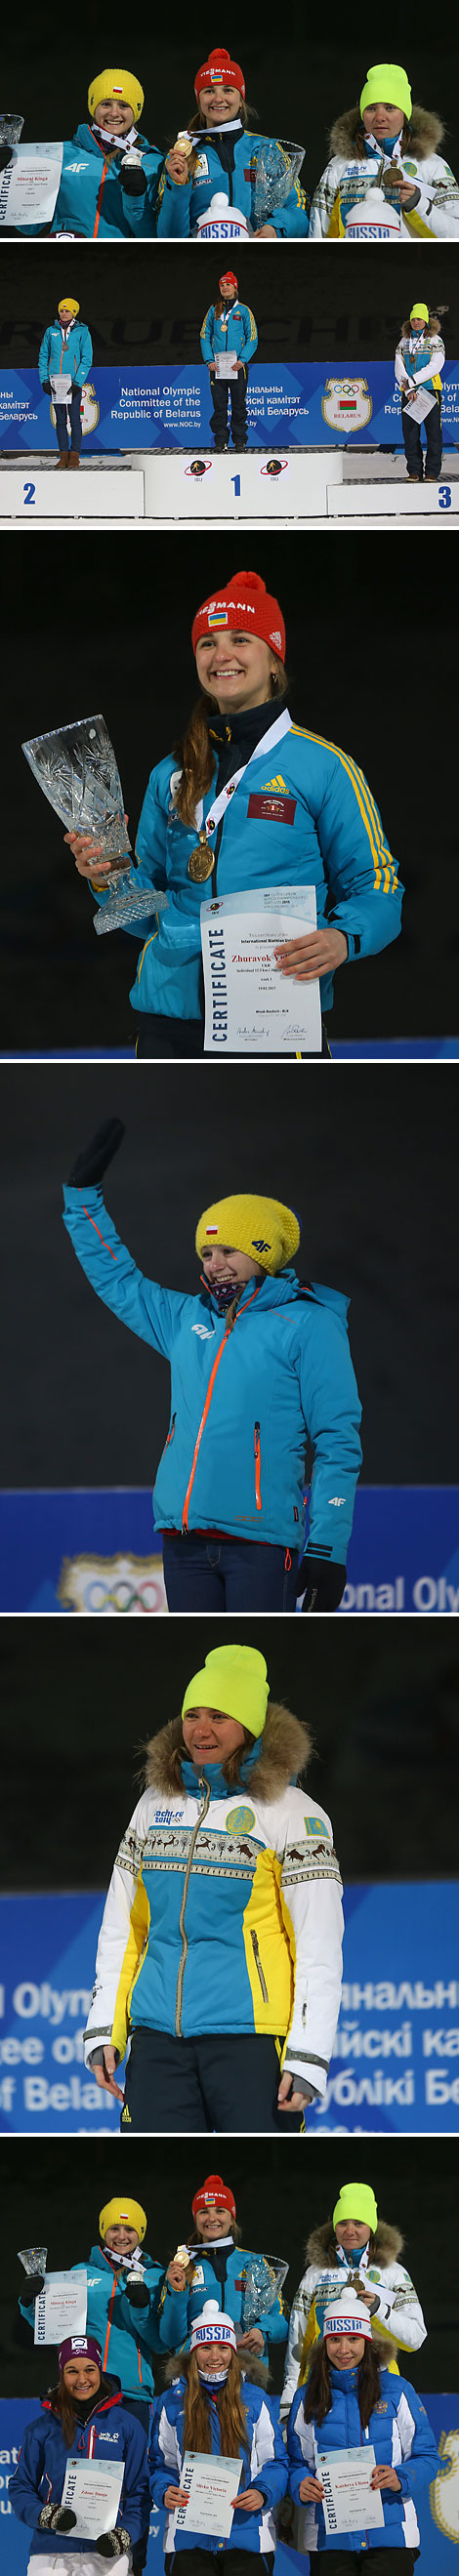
[62,459]
[74,456]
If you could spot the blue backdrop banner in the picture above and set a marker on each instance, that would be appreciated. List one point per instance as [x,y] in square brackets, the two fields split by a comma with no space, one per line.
[326,405]
[395,2065]
[98,1551]
[437,2509]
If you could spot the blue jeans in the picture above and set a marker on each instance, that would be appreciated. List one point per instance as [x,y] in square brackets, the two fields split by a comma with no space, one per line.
[228,1574]
[76,433]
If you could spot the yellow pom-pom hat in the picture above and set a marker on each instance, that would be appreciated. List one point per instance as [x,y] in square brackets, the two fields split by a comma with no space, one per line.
[123,2212]
[121,85]
[68,305]
[261,1227]
[233,1681]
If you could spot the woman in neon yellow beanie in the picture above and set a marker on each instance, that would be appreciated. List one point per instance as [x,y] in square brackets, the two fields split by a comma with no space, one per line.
[386,147]
[419,359]
[354,2245]
[219,1955]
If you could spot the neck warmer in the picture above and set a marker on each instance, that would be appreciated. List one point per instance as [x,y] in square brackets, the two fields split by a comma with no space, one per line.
[217,2380]
[215,1776]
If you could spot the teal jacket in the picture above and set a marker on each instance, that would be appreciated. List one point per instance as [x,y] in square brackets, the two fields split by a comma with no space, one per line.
[235,330]
[302,815]
[178,2308]
[179,208]
[246,1395]
[71,357]
[92,200]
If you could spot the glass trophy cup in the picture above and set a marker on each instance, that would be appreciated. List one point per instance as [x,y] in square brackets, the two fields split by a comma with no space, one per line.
[277,166]
[77,771]
[262,2284]
[33,2258]
[10,130]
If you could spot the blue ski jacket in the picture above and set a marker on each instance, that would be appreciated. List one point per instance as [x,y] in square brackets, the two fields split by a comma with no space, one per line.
[91,199]
[127,2336]
[246,1395]
[235,330]
[401,2436]
[177,2308]
[179,208]
[311,822]
[110,2434]
[69,357]
[264,2466]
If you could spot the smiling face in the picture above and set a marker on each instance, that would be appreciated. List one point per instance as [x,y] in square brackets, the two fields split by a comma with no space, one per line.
[235,669]
[210,1737]
[224,1268]
[212,2222]
[382,119]
[345,2350]
[81,2377]
[121,2239]
[218,104]
[113,114]
[65,315]
[212,2356]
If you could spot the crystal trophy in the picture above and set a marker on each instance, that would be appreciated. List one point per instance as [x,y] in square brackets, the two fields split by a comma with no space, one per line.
[77,771]
[33,2258]
[10,130]
[278,165]
[263,2281]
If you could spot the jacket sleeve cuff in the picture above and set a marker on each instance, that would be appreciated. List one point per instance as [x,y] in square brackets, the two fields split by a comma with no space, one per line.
[311,2070]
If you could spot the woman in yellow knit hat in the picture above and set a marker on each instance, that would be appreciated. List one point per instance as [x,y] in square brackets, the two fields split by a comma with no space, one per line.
[354,2245]
[260,1368]
[64,363]
[124,2291]
[219,1956]
[110,173]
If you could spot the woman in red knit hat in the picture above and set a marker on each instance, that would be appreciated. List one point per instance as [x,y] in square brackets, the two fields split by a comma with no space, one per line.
[248,800]
[217,156]
[214,2264]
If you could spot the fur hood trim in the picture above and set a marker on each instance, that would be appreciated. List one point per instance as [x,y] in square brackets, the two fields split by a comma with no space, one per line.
[286,1749]
[425,137]
[255,2369]
[388,2245]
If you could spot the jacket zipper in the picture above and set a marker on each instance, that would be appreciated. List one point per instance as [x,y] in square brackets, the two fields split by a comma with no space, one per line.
[258,1467]
[258,1965]
[210,1389]
[205,1785]
[170,1434]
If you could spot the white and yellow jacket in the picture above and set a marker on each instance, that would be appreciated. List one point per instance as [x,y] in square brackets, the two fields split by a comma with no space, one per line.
[397,2318]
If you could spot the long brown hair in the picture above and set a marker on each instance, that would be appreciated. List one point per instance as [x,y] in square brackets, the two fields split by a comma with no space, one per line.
[194,755]
[318,2391]
[231,2412]
[62,2402]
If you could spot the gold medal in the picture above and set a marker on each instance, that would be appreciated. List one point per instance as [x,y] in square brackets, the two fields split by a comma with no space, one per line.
[201,861]
[184,144]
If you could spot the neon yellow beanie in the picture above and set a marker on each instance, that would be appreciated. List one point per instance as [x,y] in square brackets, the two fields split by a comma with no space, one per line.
[419,313]
[356,2200]
[387,81]
[122,85]
[68,304]
[234,1681]
[129,2210]
[262,1227]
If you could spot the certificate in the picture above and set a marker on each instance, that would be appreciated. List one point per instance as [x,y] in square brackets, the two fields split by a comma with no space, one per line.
[212,2484]
[226,363]
[61,2307]
[93,2492]
[349,2502]
[424,403]
[61,386]
[251,1007]
[29,186]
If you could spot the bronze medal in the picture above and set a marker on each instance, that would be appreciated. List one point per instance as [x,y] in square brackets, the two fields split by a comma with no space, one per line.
[201,860]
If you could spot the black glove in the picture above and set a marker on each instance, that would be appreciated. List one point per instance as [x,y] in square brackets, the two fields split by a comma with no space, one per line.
[136,2290]
[322,1585]
[32,2289]
[133,179]
[56,2517]
[46,388]
[92,1163]
[113,2544]
[5,155]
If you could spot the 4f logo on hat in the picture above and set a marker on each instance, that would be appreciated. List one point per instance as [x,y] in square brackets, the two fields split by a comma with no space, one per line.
[259,1245]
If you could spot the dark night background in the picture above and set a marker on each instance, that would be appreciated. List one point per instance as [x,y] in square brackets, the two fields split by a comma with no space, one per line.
[296,84]
[144,313]
[52,2193]
[368,1162]
[106,624]
[381,1704]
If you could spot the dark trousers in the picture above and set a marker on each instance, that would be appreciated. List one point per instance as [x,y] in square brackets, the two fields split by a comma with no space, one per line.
[198,2560]
[160,1036]
[76,433]
[228,1574]
[202,2085]
[413,445]
[142,2408]
[340,2560]
[222,388]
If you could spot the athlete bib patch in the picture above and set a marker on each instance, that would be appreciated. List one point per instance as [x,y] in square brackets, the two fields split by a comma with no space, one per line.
[273,809]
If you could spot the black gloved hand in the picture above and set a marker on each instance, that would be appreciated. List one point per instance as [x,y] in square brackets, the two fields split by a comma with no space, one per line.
[322,1585]
[113,2544]
[46,388]
[5,155]
[132,177]
[92,1163]
[31,2292]
[56,2517]
[136,2289]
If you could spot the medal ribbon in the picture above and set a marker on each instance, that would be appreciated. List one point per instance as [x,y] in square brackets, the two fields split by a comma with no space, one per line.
[282,724]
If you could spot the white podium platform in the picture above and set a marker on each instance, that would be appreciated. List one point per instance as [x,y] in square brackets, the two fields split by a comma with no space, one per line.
[269,486]
[393,500]
[84,494]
